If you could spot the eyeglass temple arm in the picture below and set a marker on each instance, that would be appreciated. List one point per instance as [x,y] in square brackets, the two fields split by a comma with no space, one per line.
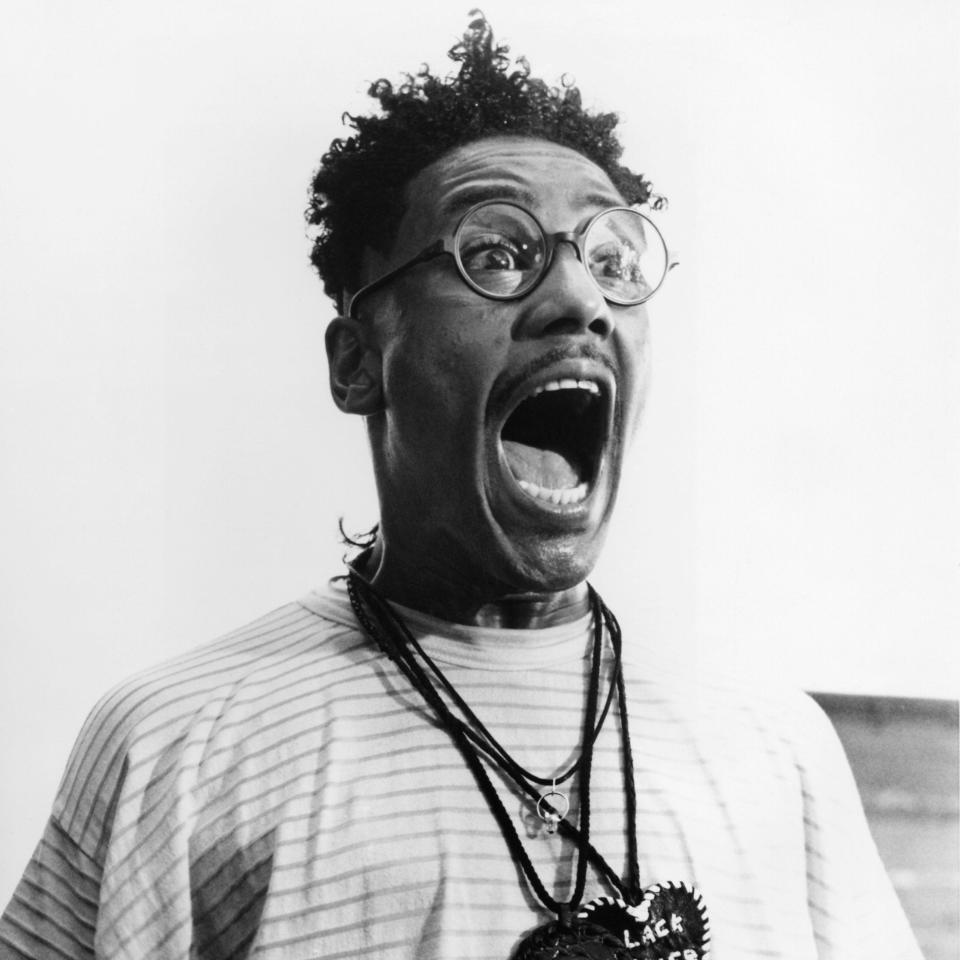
[434,250]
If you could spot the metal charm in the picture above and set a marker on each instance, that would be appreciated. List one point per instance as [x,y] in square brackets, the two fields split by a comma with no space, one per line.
[552,807]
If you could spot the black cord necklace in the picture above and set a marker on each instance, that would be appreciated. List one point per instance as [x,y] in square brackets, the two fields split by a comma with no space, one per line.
[614,928]
[488,743]
[488,737]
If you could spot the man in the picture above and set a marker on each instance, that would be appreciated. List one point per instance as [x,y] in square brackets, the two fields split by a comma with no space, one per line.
[452,752]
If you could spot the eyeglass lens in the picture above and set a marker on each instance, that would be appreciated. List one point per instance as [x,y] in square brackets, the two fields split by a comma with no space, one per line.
[501,251]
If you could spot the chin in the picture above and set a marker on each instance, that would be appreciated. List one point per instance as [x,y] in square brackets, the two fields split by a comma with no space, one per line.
[555,564]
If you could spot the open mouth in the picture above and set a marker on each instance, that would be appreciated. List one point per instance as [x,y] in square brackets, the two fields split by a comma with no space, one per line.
[553,440]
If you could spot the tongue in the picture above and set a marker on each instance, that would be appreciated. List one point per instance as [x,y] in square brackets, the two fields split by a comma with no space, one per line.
[546,468]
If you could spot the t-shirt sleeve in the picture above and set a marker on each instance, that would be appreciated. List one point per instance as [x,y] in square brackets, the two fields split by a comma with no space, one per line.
[143,852]
[854,909]
[55,909]
[53,912]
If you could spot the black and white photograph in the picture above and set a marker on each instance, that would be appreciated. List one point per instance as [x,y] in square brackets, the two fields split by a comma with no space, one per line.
[480,483]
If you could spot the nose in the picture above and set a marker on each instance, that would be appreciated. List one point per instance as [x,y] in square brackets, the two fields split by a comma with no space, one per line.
[567,301]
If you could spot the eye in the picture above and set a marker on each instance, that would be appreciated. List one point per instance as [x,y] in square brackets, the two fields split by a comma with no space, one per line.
[617,262]
[492,252]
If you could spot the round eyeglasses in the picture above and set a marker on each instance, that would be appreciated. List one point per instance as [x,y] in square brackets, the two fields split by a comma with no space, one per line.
[503,253]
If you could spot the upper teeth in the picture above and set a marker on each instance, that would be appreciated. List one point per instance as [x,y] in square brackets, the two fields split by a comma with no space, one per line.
[568,384]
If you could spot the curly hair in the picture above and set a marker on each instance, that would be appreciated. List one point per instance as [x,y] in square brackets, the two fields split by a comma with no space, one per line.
[357,194]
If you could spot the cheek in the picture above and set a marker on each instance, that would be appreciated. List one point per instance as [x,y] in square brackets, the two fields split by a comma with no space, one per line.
[636,361]
[426,378]
[642,372]
[444,360]
[436,402]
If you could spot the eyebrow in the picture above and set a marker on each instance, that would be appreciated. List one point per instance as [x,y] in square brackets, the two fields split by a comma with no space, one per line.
[461,200]
[596,198]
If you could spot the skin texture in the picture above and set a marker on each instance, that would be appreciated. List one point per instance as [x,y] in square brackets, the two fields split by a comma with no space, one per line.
[436,369]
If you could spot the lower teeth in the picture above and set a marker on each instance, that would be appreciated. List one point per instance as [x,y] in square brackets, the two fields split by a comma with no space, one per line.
[571,495]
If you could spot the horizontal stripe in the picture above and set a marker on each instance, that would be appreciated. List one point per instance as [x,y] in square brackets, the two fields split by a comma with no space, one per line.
[283,792]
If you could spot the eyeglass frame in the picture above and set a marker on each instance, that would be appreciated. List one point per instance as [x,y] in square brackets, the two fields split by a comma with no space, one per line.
[449,243]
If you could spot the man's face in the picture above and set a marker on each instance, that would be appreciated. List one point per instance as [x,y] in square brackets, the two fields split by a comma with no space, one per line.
[499,446]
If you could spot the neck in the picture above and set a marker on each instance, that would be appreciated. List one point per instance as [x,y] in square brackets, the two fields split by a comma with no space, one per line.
[441,590]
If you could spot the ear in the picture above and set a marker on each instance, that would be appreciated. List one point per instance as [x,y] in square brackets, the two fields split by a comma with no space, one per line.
[355,367]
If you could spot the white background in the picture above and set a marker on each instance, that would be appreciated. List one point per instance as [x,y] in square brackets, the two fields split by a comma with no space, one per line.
[172,465]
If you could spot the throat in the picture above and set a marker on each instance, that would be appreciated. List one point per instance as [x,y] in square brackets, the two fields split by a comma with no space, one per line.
[446,586]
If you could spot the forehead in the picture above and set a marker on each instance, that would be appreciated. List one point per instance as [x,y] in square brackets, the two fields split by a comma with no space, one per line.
[557,184]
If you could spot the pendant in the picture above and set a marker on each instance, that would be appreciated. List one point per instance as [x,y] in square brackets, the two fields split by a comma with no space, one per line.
[578,941]
[669,923]
[552,807]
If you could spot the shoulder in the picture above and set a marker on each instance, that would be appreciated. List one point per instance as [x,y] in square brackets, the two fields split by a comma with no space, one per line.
[759,723]
[152,719]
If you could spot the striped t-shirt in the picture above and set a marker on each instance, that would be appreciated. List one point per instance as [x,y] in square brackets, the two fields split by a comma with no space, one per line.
[283,793]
